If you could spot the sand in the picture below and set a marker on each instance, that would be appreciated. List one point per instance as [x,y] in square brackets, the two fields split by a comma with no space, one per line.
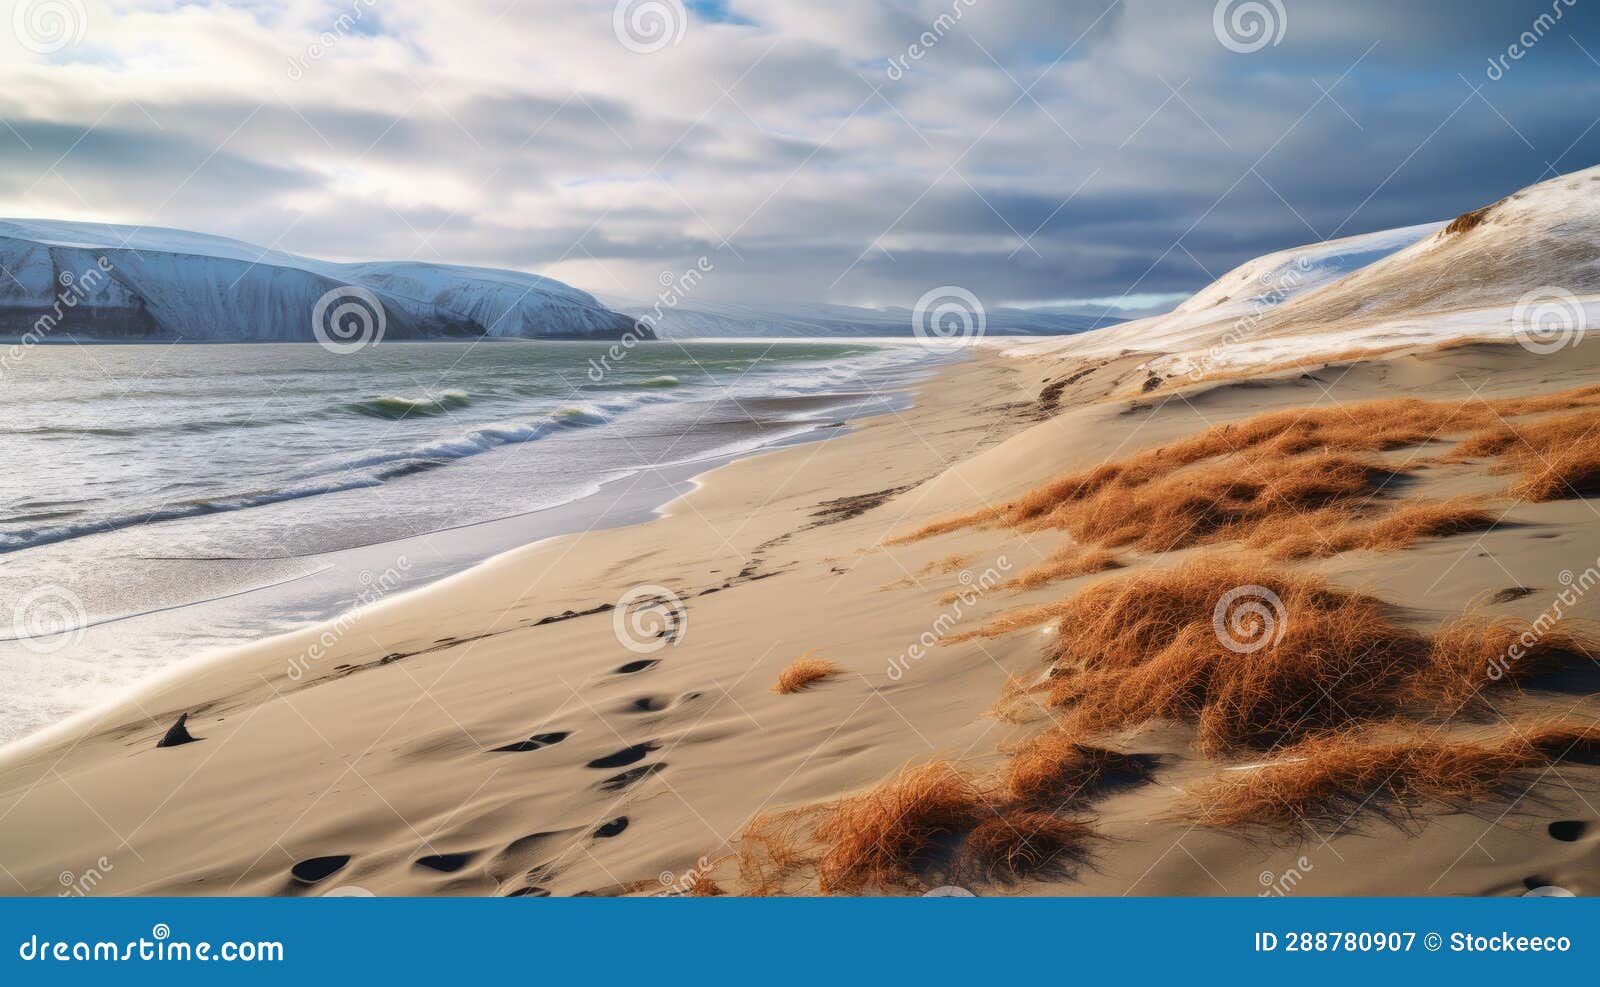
[374,766]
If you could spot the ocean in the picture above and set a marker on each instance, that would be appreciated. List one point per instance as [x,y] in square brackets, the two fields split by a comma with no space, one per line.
[157,501]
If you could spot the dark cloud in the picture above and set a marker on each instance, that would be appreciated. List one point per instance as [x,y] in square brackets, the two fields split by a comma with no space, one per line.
[846,151]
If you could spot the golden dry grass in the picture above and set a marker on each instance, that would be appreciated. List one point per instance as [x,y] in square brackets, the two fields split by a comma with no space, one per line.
[1327,780]
[803,672]
[1229,481]
[1021,843]
[1305,657]
[1055,770]
[1066,562]
[1555,458]
[950,563]
[1322,533]
[882,837]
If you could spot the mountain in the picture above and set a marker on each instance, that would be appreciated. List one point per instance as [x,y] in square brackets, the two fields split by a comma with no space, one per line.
[95,279]
[1526,267]
[726,320]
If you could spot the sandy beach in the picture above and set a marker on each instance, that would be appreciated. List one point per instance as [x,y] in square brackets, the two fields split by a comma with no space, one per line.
[511,731]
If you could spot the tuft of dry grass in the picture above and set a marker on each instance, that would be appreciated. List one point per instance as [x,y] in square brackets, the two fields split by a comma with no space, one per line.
[1319,534]
[771,852]
[1021,843]
[1055,770]
[1555,457]
[1066,562]
[950,563]
[882,837]
[1327,780]
[804,671]
[1254,657]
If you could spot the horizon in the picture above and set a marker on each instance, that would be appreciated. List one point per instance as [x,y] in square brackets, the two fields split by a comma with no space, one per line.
[848,154]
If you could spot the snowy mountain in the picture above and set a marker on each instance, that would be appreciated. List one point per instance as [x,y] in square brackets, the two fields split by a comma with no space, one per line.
[119,281]
[1525,267]
[719,319]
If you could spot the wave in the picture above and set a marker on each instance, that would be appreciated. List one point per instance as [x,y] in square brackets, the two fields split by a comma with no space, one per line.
[391,406]
[665,380]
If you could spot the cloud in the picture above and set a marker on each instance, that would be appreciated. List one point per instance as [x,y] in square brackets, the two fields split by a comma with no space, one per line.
[844,151]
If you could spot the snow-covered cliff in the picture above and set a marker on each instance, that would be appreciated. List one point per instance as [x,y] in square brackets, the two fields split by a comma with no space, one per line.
[125,281]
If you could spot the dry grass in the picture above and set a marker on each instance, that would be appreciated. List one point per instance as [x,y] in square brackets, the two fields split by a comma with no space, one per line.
[1019,844]
[1145,647]
[1229,481]
[805,671]
[1556,457]
[772,851]
[950,563]
[1066,562]
[882,837]
[1469,221]
[1019,702]
[1327,780]
[1055,770]
[1319,534]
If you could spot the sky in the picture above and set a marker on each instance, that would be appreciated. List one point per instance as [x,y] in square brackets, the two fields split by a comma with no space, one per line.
[1058,152]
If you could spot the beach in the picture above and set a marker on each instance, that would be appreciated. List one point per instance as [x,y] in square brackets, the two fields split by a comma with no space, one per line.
[596,713]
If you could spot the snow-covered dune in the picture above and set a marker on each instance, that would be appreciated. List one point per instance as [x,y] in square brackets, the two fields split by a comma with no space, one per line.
[1526,267]
[123,281]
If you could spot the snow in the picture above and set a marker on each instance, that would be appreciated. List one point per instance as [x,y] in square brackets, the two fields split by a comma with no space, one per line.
[1536,251]
[205,287]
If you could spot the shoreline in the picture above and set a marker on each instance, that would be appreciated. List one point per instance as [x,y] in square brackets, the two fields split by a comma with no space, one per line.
[329,584]
[543,589]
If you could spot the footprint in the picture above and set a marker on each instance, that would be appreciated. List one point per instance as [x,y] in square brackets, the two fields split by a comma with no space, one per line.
[626,756]
[1571,830]
[446,863]
[612,828]
[647,704]
[536,742]
[530,857]
[620,781]
[316,868]
[637,666]
[533,891]
[1511,594]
